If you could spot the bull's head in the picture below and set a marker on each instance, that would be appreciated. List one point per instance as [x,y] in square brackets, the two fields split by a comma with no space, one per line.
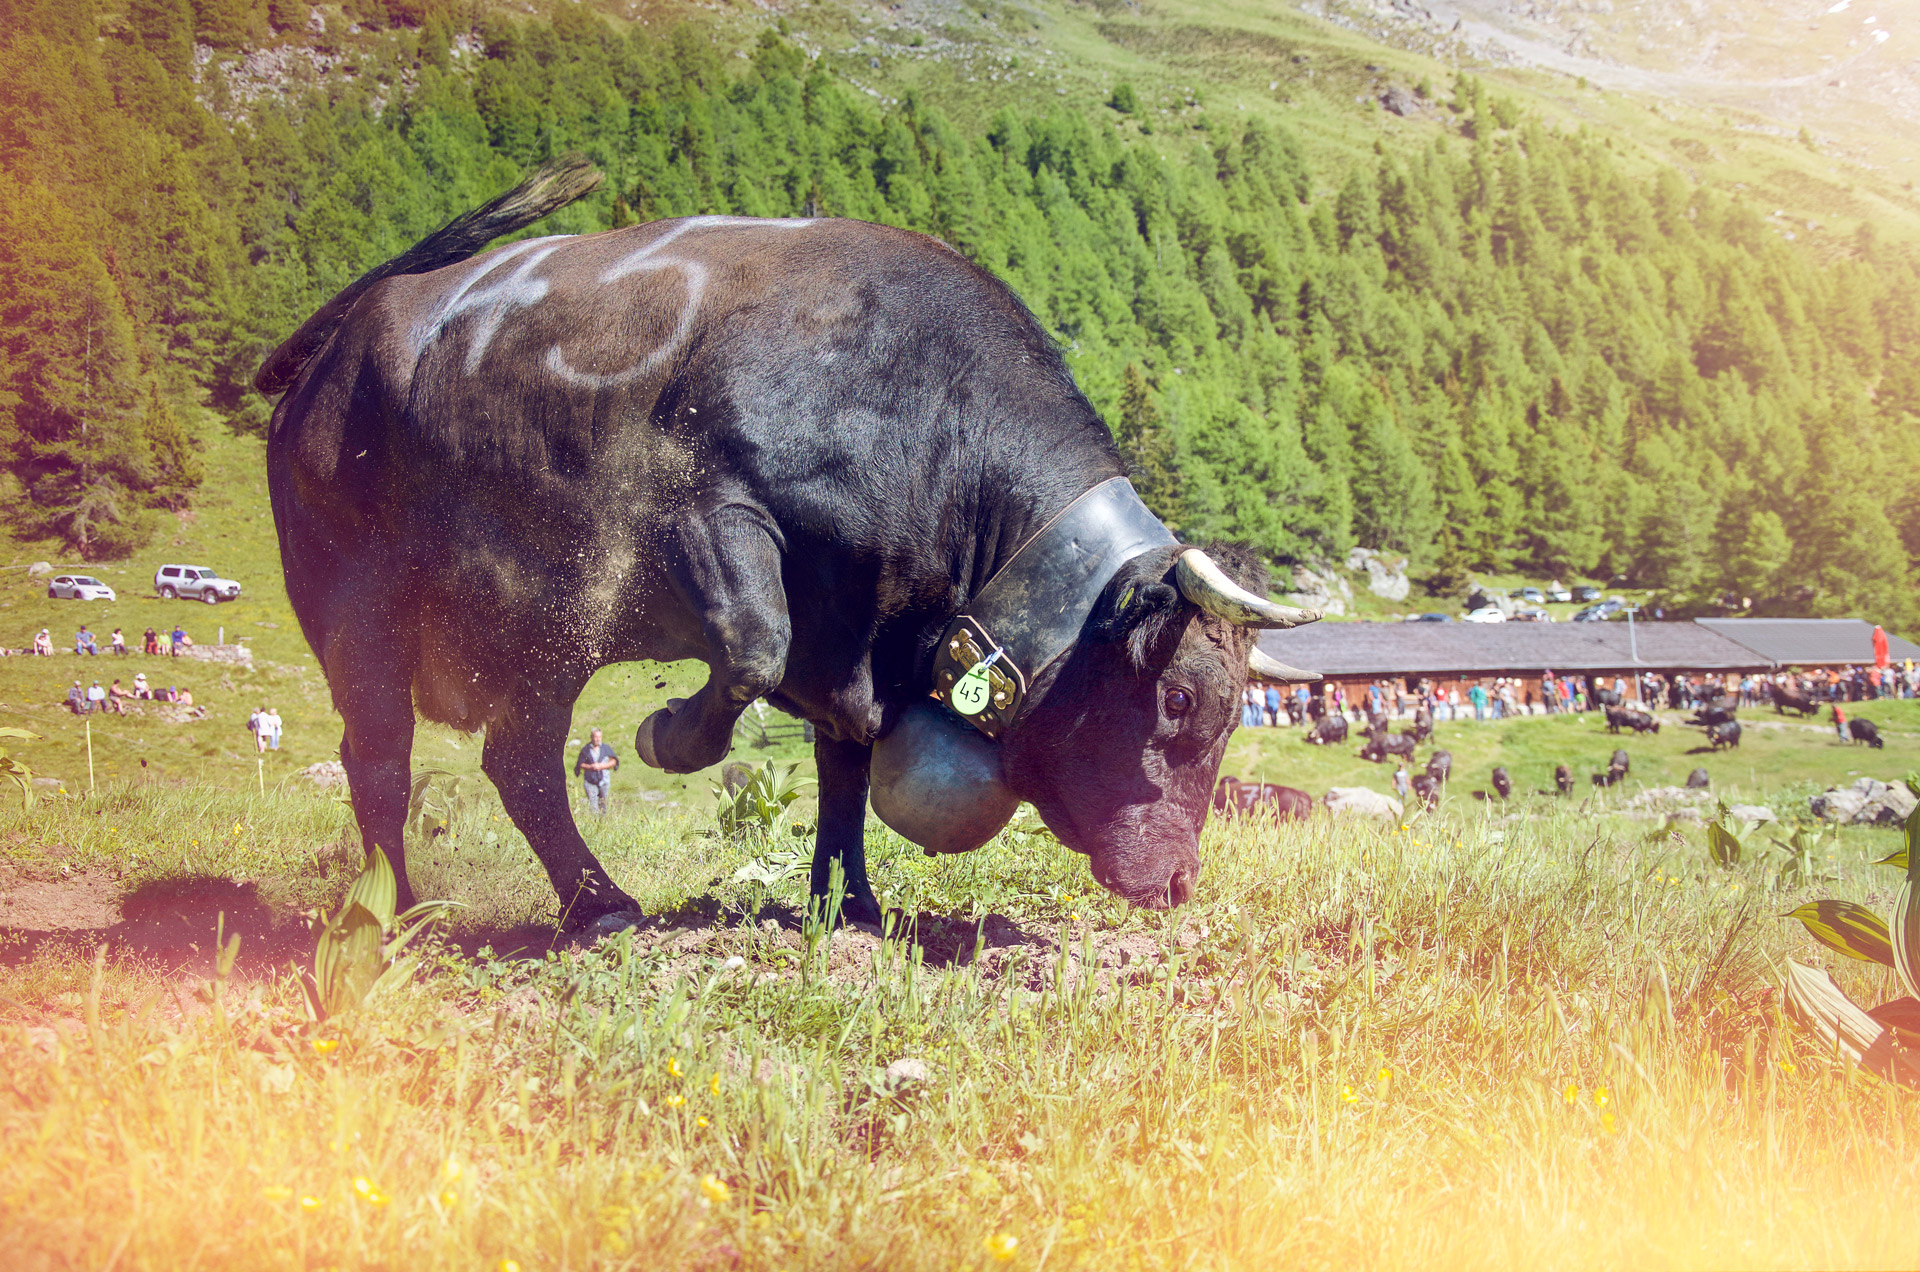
[1123,739]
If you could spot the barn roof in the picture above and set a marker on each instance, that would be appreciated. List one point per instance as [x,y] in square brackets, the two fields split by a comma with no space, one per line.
[1490,649]
[1809,641]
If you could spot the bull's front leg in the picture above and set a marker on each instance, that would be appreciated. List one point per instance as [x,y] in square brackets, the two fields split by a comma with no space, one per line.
[841,834]
[726,566]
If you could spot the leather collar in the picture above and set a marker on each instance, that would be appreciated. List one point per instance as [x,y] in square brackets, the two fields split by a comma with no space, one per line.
[1032,610]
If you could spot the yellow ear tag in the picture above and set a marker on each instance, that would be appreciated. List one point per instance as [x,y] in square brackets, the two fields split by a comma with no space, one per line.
[971,693]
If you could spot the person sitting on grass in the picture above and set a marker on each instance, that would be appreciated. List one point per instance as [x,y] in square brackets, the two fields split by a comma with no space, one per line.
[141,689]
[184,697]
[77,699]
[151,643]
[96,698]
[117,698]
[83,642]
[180,641]
[43,643]
[118,642]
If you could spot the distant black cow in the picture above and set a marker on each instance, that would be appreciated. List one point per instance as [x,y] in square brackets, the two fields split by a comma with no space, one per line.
[1631,718]
[1427,788]
[1231,795]
[1422,725]
[1562,781]
[1440,765]
[1606,697]
[1724,734]
[1866,731]
[1789,698]
[1503,783]
[1328,730]
[1617,768]
[1381,744]
[1698,780]
[1707,717]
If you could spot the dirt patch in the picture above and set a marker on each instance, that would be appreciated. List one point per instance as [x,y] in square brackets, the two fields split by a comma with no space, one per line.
[171,923]
[66,903]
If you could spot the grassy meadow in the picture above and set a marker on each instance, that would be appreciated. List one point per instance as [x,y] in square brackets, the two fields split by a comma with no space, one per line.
[1544,1033]
[1479,1039]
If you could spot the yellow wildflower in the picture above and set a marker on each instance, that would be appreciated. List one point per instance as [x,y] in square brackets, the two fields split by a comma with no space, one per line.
[1347,1095]
[1572,1092]
[508,1265]
[675,1100]
[1606,1124]
[1787,1067]
[325,1046]
[310,1204]
[713,1084]
[673,1067]
[276,1192]
[1601,1096]
[700,1123]
[1001,1246]
[452,1170]
[363,1185]
[449,1198]
[714,1188]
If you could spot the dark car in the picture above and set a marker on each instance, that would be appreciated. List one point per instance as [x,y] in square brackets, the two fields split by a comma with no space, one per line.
[1599,612]
[1586,594]
[1429,618]
[1532,595]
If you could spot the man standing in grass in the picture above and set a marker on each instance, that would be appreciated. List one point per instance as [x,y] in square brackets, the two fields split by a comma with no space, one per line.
[1839,720]
[1478,694]
[272,722]
[595,765]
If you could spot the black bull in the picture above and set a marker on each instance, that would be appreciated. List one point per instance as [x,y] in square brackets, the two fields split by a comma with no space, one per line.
[789,449]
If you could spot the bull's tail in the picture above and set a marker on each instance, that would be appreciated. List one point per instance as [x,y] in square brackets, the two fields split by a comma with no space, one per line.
[547,189]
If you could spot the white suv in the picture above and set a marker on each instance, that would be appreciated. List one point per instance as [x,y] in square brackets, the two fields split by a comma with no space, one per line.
[193,581]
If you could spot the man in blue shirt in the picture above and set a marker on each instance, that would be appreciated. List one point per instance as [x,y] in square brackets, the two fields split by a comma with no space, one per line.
[595,765]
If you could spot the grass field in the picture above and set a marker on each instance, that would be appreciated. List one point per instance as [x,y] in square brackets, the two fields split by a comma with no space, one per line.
[1479,1040]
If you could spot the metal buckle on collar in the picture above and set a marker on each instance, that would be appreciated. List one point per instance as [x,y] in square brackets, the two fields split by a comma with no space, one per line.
[962,647]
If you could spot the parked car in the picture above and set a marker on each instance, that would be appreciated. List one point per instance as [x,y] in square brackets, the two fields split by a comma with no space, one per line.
[1586,593]
[1599,612]
[1531,595]
[193,582]
[1559,595]
[1531,614]
[1486,614]
[78,587]
[1430,618]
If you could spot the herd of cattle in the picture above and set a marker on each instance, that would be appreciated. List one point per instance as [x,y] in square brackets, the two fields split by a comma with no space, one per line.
[1716,717]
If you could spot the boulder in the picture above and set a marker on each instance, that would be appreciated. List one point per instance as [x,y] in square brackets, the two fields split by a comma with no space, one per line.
[1662,801]
[1399,101]
[325,774]
[1361,801]
[1386,576]
[239,655]
[1324,591]
[1866,803]
[39,569]
[1758,814]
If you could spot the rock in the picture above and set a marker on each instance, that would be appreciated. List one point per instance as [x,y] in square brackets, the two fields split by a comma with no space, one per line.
[39,569]
[239,655]
[1361,801]
[1668,799]
[325,774]
[905,1073]
[1758,814]
[175,713]
[1326,592]
[1866,803]
[1399,101]
[1386,577]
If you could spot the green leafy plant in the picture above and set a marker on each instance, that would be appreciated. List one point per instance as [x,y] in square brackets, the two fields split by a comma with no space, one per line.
[1724,844]
[432,809]
[1802,864]
[1885,1040]
[13,769]
[362,948]
[762,807]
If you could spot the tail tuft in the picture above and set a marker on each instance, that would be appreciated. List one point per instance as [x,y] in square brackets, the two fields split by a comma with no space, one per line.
[546,190]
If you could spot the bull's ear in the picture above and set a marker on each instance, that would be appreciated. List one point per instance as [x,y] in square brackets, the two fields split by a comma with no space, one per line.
[1132,604]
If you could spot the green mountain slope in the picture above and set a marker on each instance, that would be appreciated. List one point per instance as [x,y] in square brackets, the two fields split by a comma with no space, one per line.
[1518,327]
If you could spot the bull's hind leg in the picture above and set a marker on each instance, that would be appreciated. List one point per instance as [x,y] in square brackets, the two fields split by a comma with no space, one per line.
[373,692]
[726,566]
[525,755]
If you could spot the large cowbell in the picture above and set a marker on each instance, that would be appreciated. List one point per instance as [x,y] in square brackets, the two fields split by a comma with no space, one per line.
[936,776]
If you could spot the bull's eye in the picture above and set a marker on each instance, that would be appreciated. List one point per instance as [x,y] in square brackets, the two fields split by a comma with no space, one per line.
[1178,702]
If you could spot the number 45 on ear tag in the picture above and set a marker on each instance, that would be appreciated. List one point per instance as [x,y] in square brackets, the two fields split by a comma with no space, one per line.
[971,693]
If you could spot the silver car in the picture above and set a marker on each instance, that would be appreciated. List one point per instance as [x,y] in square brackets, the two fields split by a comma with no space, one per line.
[78,587]
[193,582]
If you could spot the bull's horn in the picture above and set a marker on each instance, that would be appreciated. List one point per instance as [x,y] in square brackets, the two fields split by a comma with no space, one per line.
[1273,669]
[1206,585]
